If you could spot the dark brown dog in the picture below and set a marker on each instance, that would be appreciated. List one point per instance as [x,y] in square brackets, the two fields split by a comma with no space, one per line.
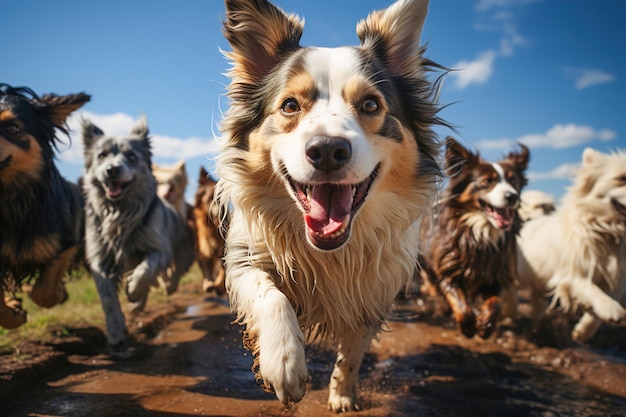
[41,214]
[472,256]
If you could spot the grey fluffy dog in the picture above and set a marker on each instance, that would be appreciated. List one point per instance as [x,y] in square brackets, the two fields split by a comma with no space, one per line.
[133,237]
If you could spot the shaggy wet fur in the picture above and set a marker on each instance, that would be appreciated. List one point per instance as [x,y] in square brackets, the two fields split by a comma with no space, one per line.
[132,235]
[472,255]
[41,214]
[329,165]
[209,239]
[578,253]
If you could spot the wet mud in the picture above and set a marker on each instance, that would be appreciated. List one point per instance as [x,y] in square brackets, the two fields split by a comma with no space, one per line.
[420,366]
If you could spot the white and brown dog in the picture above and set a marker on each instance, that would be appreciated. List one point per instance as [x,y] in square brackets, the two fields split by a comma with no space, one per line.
[329,162]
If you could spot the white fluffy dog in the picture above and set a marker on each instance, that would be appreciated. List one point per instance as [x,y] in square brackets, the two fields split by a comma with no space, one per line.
[578,253]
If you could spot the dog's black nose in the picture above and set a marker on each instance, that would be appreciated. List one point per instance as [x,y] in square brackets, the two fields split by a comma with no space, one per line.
[112,171]
[328,153]
[511,198]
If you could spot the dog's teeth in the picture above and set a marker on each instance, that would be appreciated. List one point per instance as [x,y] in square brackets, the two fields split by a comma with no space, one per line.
[353,191]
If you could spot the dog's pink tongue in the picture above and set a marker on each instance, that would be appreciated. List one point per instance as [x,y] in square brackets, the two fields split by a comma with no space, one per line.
[114,189]
[329,206]
[503,217]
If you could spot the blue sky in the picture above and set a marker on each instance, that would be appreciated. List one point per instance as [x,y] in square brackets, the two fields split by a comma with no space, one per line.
[548,73]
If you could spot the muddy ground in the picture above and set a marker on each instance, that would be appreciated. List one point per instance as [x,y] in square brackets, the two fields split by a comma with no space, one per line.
[189,362]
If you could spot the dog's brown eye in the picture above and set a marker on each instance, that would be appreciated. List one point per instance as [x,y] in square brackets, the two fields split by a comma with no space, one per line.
[485,182]
[290,106]
[369,105]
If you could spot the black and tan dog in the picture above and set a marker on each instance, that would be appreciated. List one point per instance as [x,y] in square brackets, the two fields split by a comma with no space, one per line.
[41,214]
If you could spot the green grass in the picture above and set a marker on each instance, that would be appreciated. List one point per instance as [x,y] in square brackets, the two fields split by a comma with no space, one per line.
[81,309]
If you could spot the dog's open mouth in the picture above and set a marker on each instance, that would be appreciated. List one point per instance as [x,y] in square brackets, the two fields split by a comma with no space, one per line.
[502,218]
[115,189]
[329,209]
[620,208]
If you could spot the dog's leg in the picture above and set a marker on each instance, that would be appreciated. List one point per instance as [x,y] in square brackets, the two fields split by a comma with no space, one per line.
[510,303]
[343,381]
[461,309]
[488,316]
[591,296]
[219,276]
[215,278]
[273,334]
[49,290]
[207,279]
[586,327]
[144,276]
[11,313]
[115,322]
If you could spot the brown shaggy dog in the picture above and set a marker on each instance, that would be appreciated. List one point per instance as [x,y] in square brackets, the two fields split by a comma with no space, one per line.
[209,240]
[41,214]
[473,249]
[329,166]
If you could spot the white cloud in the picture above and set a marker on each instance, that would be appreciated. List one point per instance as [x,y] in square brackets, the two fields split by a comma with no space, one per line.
[477,71]
[585,78]
[120,124]
[558,136]
[501,21]
[564,171]
[483,5]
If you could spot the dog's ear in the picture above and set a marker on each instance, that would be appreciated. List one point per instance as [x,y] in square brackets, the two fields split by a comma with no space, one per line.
[394,35]
[590,155]
[141,128]
[91,132]
[58,108]
[457,156]
[520,158]
[180,165]
[259,34]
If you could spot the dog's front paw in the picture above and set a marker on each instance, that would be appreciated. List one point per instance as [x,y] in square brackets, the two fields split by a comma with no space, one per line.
[12,315]
[342,403]
[284,369]
[609,311]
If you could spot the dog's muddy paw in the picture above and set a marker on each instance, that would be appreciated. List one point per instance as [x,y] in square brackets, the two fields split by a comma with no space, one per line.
[13,316]
[610,312]
[137,307]
[286,372]
[123,351]
[484,328]
[342,403]
[467,324]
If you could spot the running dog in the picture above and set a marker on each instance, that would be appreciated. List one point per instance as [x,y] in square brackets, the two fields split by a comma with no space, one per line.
[132,235]
[329,164]
[578,253]
[209,239]
[472,253]
[41,214]
[171,186]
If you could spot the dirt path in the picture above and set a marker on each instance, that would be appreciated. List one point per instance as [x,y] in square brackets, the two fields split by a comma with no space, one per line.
[195,366]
